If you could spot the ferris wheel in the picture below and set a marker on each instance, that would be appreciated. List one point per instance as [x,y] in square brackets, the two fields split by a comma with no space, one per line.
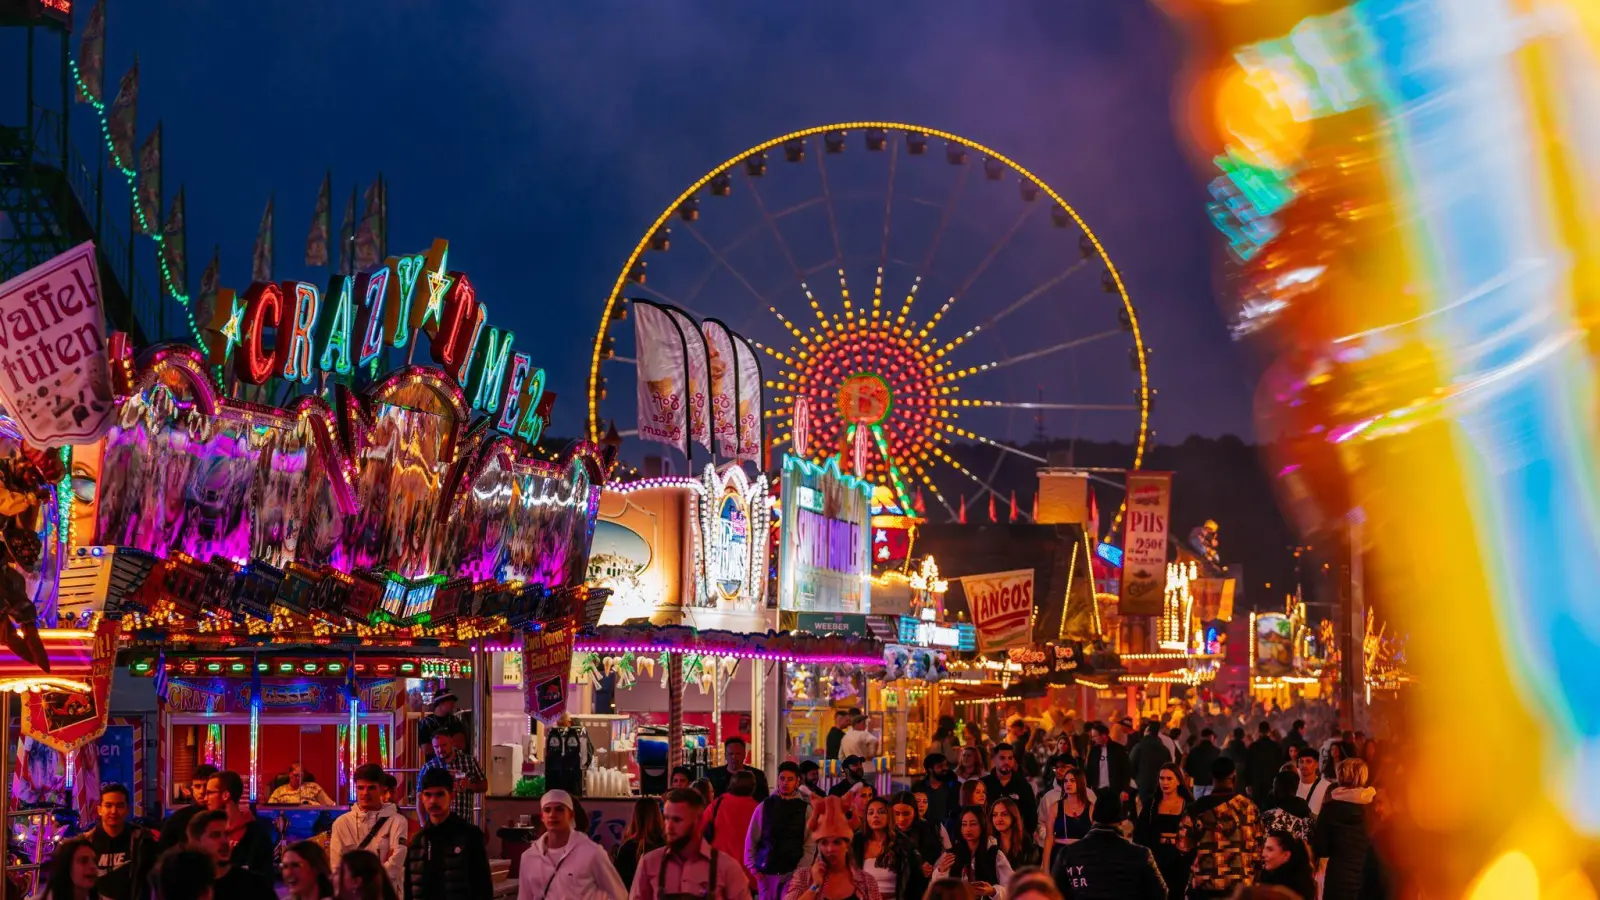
[929,307]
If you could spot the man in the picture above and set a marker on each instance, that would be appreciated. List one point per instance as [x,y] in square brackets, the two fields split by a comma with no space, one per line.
[446,859]
[372,825]
[854,774]
[682,777]
[124,853]
[735,749]
[1198,763]
[842,719]
[185,874]
[1147,758]
[1108,767]
[859,741]
[1263,760]
[1105,865]
[251,838]
[944,795]
[466,774]
[811,779]
[1239,753]
[442,718]
[208,831]
[1006,781]
[780,836]
[300,792]
[1313,788]
[174,830]
[1223,831]
[1130,734]
[564,864]
[687,866]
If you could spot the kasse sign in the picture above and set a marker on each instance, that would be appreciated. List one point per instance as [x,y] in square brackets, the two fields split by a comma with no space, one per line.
[1002,608]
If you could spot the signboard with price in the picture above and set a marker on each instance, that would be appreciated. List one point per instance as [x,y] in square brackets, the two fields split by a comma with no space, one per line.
[1144,543]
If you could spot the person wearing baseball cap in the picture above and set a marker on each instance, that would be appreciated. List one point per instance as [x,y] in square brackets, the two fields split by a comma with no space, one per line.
[852,774]
[565,864]
[442,717]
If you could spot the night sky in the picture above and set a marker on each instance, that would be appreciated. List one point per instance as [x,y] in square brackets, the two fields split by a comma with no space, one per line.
[542,139]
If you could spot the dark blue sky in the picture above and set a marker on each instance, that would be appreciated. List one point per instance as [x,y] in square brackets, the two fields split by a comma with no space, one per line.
[543,138]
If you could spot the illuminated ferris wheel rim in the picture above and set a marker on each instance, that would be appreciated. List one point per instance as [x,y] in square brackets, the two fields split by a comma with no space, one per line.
[619,286]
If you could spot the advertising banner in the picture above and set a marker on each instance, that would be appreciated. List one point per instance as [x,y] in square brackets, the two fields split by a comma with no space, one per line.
[1144,543]
[1002,608]
[66,720]
[1213,598]
[1274,639]
[546,667]
[55,377]
[698,388]
[750,417]
[663,368]
[825,561]
[724,386]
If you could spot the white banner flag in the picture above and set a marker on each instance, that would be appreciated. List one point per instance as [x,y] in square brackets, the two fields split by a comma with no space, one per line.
[1001,605]
[724,393]
[663,400]
[55,378]
[749,400]
[698,391]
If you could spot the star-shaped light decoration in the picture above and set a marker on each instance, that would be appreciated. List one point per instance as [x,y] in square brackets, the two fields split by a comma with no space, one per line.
[438,285]
[231,331]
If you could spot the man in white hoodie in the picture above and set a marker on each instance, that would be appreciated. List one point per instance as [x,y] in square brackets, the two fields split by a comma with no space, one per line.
[564,864]
[371,825]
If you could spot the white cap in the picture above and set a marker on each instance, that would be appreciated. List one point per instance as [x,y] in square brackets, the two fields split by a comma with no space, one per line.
[556,798]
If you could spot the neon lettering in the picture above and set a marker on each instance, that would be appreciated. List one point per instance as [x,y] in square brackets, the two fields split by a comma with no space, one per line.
[402,291]
[336,331]
[537,404]
[511,402]
[449,344]
[297,357]
[263,309]
[488,376]
[373,288]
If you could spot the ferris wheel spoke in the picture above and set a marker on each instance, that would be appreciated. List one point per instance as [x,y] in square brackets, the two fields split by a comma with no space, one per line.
[888,207]
[984,264]
[1032,354]
[716,254]
[1031,296]
[772,224]
[1073,407]
[944,223]
[833,224]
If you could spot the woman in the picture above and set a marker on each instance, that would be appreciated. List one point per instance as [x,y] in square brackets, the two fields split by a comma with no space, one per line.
[1285,810]
[950,889]
[833,869]
[1341,835]
[1005,818]
[1064,817]
[887,855]
[73,871]
[909,817]
[361,877]
[944,740]
[645,832]
[969,766]
[1159,825]
[973,793]
[972,737]
[1285,863]
[727,820]
[1032,884]
[706,789]
[974,858]
[306,873]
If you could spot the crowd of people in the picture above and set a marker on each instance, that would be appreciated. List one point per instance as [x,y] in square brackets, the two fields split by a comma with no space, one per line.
[1105,811]
[217,848]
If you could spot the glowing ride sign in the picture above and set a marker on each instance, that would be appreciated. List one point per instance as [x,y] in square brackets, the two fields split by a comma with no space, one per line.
[825,562]
[289,330]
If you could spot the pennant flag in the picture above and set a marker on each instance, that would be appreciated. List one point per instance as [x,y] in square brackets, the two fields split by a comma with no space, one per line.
[751,420]
[991,508]
[321,225]
[1013,506]
[962,516]
[123,117]
[347,235]
[161,677]
[92,57]
[724,387]
[1094,516]
[367,231]
[149,218]
[205,302]
[917,505]
[698,395]
[261,258]
[173,238]
[663,373]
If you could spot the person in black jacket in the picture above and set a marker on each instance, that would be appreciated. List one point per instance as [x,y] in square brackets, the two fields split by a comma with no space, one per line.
[1236,750]
[125,853]
[1008,781]
[174,829]
[1108,768]
[1342,834]
[1265,757]
[940,787]
[446,858]
[253,839]
[735,749]
[1147,759]
[1107,866]
[208,831]
[1285,862]
[1197,765]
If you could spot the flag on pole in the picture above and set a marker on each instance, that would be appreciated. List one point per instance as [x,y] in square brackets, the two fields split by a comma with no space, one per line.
[367,231]
[261,259]
[174,235]
[92,56]
[321,225]
[205,301]
[347,233]
[149,218]
[123,117]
